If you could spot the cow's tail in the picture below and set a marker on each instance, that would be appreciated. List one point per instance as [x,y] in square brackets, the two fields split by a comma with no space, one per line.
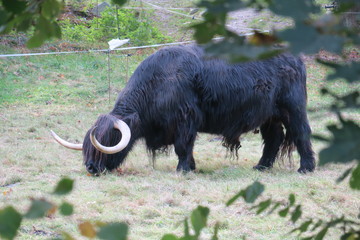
[293,111]
[286,149]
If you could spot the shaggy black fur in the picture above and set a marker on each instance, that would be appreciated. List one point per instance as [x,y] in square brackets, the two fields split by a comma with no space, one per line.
[177,92]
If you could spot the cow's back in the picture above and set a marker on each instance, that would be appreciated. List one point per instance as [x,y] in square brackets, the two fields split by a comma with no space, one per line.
[236,98]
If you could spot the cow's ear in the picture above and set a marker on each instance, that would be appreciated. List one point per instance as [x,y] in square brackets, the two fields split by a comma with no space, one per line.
[134,119]
[134,122]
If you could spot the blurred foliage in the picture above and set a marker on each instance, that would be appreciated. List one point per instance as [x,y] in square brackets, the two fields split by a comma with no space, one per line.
[312,31]
[11,219]
[101,29]
[311,227]
[40,19]
[20,15]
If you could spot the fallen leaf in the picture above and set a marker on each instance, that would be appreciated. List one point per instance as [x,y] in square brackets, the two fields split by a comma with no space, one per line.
[51,212]
[7,192]
[87,229]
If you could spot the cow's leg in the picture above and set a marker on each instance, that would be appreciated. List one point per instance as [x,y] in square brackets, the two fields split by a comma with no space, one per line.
[184,150]
[192,163]
[300,133]
[184,144]
[273,135]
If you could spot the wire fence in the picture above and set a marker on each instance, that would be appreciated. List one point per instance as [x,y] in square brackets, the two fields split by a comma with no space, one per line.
[62,78]
[93,50]
[40,76]
[102,69]
[98,66]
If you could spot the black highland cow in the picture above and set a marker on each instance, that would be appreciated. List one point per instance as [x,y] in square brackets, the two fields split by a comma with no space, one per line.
[177,92]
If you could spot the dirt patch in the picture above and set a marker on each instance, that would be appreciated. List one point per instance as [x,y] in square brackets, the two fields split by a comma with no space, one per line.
[238,21]
[241,22]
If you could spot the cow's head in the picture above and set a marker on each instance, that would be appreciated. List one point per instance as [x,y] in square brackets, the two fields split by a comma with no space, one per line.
[103,145]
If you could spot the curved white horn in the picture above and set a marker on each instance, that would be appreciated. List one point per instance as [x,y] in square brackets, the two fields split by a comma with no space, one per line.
[125,139]
[67,144]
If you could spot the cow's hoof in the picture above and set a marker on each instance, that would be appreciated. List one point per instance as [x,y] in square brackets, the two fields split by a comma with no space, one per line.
[260,168]
[184,169]
[304,170]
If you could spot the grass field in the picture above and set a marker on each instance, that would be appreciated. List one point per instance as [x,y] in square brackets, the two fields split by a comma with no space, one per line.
[66,94]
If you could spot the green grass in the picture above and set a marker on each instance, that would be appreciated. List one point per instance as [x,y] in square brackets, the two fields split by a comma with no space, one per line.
[63,78]
[66,93]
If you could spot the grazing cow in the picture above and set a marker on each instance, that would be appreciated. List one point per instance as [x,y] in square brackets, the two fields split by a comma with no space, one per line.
[177,92]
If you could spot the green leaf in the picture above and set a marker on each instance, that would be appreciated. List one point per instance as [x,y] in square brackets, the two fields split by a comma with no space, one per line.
[56,30]
[345,144]
[38,209]
[306,39]
[291,199]
[44,30]
[212,26]
[23,22]
[234,198]
[250,194]
[66,209]
[220,7]
[189,238]
[66,236]
[303,227]
[50,9]
[320,138]
[276,206]
[113,231]
[349,236]
[119,2]
[169,237]
[40,34]
[3,17]
[262,206]
[45,27]
[199,218]
[235,48]
[298,10]
[186,228]
[14,6]
[10,221]
[352,99]
[307,238]
[296,214]
[216,229]
[65,186]
[344,175]
[36,40]
[321,234]
[284,212]
[355,178]
[253,192]
[350,71]
[316,225]
[346,5]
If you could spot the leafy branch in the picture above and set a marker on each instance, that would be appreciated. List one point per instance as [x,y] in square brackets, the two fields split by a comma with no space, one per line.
[11,219]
